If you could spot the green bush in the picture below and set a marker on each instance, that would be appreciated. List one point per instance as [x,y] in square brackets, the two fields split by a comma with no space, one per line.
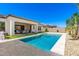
[46,30]
[7,36]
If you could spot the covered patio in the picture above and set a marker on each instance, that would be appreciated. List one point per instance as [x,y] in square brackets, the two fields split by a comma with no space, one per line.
[23,28]
[15,25]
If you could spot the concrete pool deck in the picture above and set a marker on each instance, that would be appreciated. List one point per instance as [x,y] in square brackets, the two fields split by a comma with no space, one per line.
[16,48]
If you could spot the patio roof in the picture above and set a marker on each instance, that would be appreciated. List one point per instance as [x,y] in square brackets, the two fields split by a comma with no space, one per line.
[2,16]
[23,19]
[10,15]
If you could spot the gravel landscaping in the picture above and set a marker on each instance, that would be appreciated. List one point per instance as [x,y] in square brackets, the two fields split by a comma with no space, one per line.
[71,47]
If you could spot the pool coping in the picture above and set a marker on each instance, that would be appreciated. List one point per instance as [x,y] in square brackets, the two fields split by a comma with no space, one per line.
[7,40]
[59,46]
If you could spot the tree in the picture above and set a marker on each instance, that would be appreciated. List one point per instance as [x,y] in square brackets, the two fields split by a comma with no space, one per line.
[71,24]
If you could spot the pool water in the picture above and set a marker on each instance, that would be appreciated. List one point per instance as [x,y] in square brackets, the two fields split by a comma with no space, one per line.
[44,41]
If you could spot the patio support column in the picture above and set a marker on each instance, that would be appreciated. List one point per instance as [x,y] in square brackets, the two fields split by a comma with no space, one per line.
[36,27]
[32,28]
[9,27]
[41,29]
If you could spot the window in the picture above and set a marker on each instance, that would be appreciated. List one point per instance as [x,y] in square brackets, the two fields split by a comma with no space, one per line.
[39,28]
[33,27]
[2,26]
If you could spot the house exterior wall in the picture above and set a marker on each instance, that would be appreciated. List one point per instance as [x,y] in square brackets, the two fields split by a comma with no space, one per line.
[10,24]
[43,29]
[34,28]
[2,20]
[11,21]
[34,25]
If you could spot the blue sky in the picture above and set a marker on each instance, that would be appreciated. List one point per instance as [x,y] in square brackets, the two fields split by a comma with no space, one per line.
[54,14]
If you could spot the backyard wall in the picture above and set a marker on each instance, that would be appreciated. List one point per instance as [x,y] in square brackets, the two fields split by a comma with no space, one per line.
[62,30]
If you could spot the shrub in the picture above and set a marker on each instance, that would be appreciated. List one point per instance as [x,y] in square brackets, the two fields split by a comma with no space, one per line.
[7,36]
[46,30]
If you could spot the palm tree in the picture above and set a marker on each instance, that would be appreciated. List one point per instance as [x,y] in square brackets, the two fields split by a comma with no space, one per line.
[75,21]
[77,5]
[69,25]
[72,24]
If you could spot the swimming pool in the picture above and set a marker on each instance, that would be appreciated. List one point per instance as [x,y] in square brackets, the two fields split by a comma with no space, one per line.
[44,41]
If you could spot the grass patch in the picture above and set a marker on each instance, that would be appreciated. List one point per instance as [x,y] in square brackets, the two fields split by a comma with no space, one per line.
[18,35]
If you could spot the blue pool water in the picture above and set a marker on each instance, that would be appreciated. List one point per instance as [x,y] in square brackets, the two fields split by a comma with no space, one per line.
[44,41]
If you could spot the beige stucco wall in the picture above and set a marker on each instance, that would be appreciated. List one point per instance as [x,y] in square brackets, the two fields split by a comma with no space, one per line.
[35,28]
[9,27]
[2,19]
[43,29]
[62,30]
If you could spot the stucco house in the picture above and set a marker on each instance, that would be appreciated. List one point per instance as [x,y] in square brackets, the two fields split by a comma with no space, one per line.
[17,25]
